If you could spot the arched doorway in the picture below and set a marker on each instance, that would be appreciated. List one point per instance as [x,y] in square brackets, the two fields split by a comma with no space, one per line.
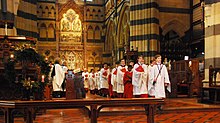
[111,44]
[123,32]
[173,47]
[174,44]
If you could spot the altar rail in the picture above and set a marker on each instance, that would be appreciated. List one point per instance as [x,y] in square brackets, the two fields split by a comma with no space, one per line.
[28,106]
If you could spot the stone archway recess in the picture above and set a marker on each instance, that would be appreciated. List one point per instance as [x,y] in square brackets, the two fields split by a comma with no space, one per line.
[110,45]
[172,46]
[176,26]
[123,28]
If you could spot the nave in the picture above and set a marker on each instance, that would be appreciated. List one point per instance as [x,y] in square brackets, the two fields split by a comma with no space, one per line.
[176,110]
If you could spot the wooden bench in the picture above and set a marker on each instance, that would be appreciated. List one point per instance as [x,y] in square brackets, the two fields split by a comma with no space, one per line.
[28,106]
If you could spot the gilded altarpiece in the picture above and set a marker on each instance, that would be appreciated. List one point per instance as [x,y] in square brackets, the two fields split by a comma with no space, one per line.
[70,40]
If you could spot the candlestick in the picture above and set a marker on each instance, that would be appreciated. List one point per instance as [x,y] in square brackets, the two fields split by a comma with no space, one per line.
[42,78]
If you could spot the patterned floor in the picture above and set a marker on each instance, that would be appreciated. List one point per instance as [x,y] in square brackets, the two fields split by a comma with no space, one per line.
[208,115]
[76,116]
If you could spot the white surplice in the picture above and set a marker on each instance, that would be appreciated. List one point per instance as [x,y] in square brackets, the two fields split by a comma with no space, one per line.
[58,78]
[140,80]
[92,81]
[104,78]
[114,79]
[163,77]
[119,78]
[85,76]
[97,80]
[151,88]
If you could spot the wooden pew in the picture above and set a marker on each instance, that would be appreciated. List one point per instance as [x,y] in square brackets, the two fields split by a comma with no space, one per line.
[28,106]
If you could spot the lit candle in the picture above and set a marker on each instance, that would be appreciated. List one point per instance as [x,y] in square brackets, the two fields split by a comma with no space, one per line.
[42,78]
[12,56]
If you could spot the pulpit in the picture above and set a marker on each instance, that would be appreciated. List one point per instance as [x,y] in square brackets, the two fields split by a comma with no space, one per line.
[70,88]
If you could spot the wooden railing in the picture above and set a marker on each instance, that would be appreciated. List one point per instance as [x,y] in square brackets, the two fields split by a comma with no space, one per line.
[28,106]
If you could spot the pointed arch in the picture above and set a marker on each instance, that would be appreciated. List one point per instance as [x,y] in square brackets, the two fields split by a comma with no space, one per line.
[97,33]
[90,31]
[122,25]
[51,31]
[40,10]
[52,11]
[46,10]
[176,26]
[43,30]
[110,42]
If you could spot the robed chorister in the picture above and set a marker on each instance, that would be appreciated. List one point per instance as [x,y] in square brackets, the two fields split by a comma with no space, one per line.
[140,79]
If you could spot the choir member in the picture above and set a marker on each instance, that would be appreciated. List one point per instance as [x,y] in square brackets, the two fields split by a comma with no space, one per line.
[140,78]
[57,75]
[131,63]
[104,80]
[97,80]
[159,79]
[151,88]
[65,69]
[128,87]
[120,75]
[110,84]
[92,81]
[85,75]
[114,79]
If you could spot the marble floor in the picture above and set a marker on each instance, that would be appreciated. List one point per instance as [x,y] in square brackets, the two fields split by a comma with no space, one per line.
[176,110]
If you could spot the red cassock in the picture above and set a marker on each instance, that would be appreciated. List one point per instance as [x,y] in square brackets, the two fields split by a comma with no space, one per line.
[110,86]
[128,87]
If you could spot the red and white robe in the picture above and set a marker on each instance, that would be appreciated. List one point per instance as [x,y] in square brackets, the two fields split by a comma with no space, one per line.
[140,80]
[92,83]
[114,79]
[120,76]
[86,80]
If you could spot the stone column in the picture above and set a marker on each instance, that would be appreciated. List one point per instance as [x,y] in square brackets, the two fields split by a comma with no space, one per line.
[212,36]
[144,27]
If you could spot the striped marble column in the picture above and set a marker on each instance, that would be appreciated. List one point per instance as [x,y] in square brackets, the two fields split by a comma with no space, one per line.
[144,27]
[26,19]
[212,36]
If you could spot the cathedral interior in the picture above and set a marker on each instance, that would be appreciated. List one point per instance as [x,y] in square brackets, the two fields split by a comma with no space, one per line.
[88,33]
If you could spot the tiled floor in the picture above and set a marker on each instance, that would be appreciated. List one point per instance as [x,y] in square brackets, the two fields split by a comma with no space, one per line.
[76,116]
[208,115]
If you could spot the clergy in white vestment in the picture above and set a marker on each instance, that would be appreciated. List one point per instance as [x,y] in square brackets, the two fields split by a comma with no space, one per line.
[65,69]
[85,75]
[104,73]
[140,79]
[57,75]
[92,81]
[159,79]
[120,75]
[114,79]
[64,66]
